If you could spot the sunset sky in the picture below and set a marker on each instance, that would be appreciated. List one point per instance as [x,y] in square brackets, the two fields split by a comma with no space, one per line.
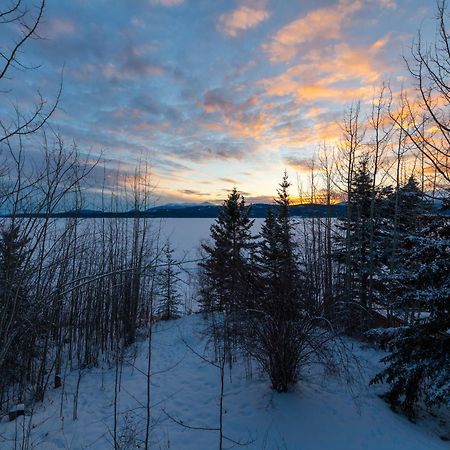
[216,93]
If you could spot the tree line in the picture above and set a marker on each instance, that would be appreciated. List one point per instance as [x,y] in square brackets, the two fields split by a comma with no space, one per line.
[284,296]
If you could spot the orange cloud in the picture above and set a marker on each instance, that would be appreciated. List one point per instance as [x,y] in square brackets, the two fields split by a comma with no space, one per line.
[315,112]
[240,19]
[317,25]
[338,73]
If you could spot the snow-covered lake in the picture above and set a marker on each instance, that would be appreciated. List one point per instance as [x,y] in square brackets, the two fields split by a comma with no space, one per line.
[186,235]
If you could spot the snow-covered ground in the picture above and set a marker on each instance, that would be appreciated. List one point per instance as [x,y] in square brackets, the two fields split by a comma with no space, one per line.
[322,413]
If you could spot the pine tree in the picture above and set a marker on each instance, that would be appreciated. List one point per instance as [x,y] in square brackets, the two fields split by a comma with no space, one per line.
[277,261]
[226,266]
[278,329]
[226,275]
[406,212]
[358,252]
[18,323]
[169,296]
[418,286]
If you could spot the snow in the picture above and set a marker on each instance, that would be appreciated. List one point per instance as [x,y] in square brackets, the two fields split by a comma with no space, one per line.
[321,413]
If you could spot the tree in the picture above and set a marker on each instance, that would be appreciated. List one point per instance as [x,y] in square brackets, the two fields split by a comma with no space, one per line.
[280,331]
[27,29]
[357,251]
[18,324]
[225,274]
[405,213]
[428,127]
[169,302]
[418,367]
[225,268]
[277,258]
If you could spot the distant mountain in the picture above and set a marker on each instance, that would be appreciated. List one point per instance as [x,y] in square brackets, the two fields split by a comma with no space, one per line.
[204,210]
[258,210]
[197,210]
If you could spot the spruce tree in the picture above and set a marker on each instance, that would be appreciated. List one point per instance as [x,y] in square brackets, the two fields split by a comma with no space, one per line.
[168,279]
[358,252]
[225,269]
[277,261]
[278,329]
[226,275]
[406,213]
[418,284]
[18,316]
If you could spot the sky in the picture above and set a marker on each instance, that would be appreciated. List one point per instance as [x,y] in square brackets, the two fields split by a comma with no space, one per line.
[214,93]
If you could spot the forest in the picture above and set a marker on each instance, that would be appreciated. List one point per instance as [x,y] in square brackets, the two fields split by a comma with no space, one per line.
[79,294]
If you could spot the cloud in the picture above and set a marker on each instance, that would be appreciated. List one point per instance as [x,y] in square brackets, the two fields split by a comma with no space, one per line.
[145,80]
[299,164]
[389,4]
[338,73]
[167,2]
[228,180]
[317,25]
[130,72]
[132,63]
[239,119]
[58,27]
[193,192]
[238,20]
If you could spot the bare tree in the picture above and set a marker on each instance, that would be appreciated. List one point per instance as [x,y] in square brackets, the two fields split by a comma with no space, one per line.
[428,125]
[28,21]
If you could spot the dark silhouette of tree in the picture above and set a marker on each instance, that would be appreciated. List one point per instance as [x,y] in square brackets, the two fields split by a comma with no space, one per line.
[353,253]
[27,22]
[427,126]
[226,259]
[18,316]
[168,280]
[281,331]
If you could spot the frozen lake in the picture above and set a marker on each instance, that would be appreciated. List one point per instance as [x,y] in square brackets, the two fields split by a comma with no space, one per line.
[186,235]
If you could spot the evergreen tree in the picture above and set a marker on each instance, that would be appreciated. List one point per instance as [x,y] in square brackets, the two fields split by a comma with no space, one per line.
[169,296]
[406,212]
[416,290]
[277,260]
[278,329]
[358,251]
[224,271]
[226,275]
[18,324]
[419,366]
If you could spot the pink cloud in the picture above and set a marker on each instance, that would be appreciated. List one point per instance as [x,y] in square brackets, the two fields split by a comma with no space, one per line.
[238,20]
[390,4]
